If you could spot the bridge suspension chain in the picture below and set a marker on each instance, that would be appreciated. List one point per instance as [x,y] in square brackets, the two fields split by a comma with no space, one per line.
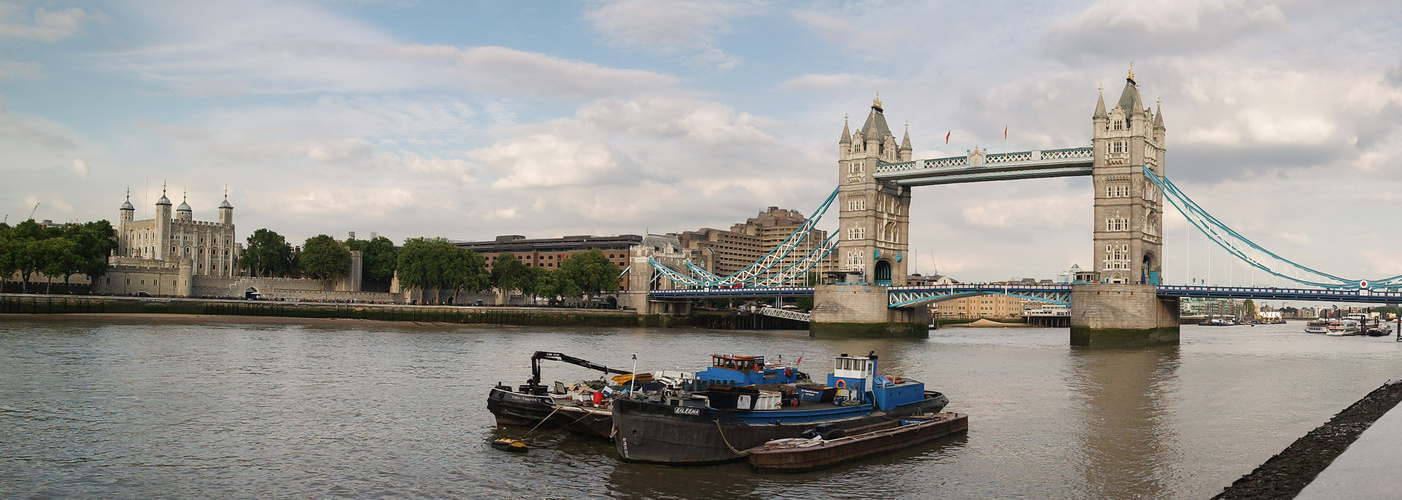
[1250,252]
[760,272]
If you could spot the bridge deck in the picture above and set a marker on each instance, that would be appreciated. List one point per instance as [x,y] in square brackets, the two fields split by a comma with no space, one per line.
[909,296]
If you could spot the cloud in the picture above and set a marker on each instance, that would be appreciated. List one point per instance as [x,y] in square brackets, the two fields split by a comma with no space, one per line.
[40,25]
[839,81]
[547,161]
[81,167]
[670,26]
[280,48]
[1125,29]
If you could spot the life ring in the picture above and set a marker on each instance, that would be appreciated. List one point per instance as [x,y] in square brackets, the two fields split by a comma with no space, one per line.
[788,372]
[841,384]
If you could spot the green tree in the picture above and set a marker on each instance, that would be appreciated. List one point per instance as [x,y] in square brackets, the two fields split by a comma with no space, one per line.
[508,274]
[324,258]
[553,285]
[26,248]
[379,257]
[58,256]
[267,254]
[435,264]
[591,272]
[8,267]
[95,242]
[1248,309]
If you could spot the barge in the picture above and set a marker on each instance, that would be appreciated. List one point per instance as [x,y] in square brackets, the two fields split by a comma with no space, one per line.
[716,425]
[808,454]
[578,409]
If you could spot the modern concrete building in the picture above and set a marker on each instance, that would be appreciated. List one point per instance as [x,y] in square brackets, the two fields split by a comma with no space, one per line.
[725,252]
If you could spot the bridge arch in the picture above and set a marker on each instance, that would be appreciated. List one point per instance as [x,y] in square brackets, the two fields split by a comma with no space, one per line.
[882,274]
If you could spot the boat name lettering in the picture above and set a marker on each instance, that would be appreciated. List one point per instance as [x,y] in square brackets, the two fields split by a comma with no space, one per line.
[682,410]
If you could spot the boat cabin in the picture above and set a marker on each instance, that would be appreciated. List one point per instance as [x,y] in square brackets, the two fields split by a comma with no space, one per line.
[856,379]
[742,370]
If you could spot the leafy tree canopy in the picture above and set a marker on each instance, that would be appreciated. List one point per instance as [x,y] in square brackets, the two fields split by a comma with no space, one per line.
[379,257]
[591,272]
[267,254]
[324,258]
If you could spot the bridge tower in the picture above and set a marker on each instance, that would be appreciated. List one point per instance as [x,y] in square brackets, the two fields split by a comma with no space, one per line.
[874,215]
[1128,232]
[1123,307]
[873,241]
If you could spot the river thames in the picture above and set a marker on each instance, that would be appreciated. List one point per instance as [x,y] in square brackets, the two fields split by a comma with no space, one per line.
[200,407]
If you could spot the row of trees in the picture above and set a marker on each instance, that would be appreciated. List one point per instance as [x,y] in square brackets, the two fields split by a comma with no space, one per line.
[268,254]
[29,248]
[430,264]
[435,264]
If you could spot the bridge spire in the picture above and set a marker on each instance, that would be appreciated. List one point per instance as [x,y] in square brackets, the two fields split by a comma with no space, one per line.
[846,132]
[1100,106]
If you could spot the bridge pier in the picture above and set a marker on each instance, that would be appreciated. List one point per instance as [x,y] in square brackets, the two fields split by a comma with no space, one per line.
[1122,315]
[845,311]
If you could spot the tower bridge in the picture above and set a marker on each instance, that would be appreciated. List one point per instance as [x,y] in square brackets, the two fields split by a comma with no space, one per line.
[1124,303]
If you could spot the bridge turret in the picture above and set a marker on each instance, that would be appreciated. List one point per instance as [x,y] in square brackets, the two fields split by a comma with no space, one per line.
[1128,213]
[905,144]
[875,215]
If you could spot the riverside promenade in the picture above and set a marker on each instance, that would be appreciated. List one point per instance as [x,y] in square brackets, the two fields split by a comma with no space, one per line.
[1367,469]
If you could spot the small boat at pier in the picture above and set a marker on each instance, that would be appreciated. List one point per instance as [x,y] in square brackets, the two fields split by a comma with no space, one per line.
[808,454]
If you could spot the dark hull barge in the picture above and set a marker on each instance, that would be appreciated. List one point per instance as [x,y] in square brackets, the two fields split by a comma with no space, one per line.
[802,455]
[547,412]
[682,435]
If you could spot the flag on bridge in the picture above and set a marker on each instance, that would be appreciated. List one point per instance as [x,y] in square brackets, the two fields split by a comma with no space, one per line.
[1005,132]
[946,136]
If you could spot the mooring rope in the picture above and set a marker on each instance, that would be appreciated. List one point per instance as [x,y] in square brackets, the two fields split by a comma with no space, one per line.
[727,441]
[542,421]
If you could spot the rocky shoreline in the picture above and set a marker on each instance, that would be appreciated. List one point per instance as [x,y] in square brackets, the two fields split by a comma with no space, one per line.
[1288,472]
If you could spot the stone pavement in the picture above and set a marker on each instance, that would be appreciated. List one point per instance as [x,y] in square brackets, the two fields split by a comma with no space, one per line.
[1368,469]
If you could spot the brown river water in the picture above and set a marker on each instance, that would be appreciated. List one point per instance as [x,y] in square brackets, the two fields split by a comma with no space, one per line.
[199,408]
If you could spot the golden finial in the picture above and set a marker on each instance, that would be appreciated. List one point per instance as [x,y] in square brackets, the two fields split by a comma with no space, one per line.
[1131,71]
[877,103]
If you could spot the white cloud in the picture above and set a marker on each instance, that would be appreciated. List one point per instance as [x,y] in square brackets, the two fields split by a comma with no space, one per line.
[81,167]
[287,47]
[40,24]
[839,81]
[1127,29]
[539,161]
[670,26]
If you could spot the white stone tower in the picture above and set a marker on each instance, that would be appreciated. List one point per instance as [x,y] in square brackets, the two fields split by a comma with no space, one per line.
[127,213]
[1128,231]
[226,211]
[163,239]
[875,216]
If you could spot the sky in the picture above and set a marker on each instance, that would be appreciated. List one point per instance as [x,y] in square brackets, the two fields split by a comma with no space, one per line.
[468,120]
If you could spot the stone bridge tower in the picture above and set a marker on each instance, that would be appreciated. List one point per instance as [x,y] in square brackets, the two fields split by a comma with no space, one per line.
[874,224]
[1128,230]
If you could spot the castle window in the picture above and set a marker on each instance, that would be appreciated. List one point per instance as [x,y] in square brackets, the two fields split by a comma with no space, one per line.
[1119,125]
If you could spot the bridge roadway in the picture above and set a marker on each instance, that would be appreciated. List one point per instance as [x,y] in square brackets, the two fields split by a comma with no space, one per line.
[910,296]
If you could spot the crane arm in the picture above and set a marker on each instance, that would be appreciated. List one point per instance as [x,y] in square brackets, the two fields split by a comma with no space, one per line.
[555,356]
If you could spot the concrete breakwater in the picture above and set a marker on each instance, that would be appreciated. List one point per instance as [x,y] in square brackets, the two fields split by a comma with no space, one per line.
[488,315]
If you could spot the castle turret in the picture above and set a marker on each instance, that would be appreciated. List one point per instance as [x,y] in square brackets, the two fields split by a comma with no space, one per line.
[162,243]
[226,211]
[183,212]
[905,144]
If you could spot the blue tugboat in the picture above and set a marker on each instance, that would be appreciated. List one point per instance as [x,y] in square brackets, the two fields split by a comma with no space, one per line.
[715,425]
